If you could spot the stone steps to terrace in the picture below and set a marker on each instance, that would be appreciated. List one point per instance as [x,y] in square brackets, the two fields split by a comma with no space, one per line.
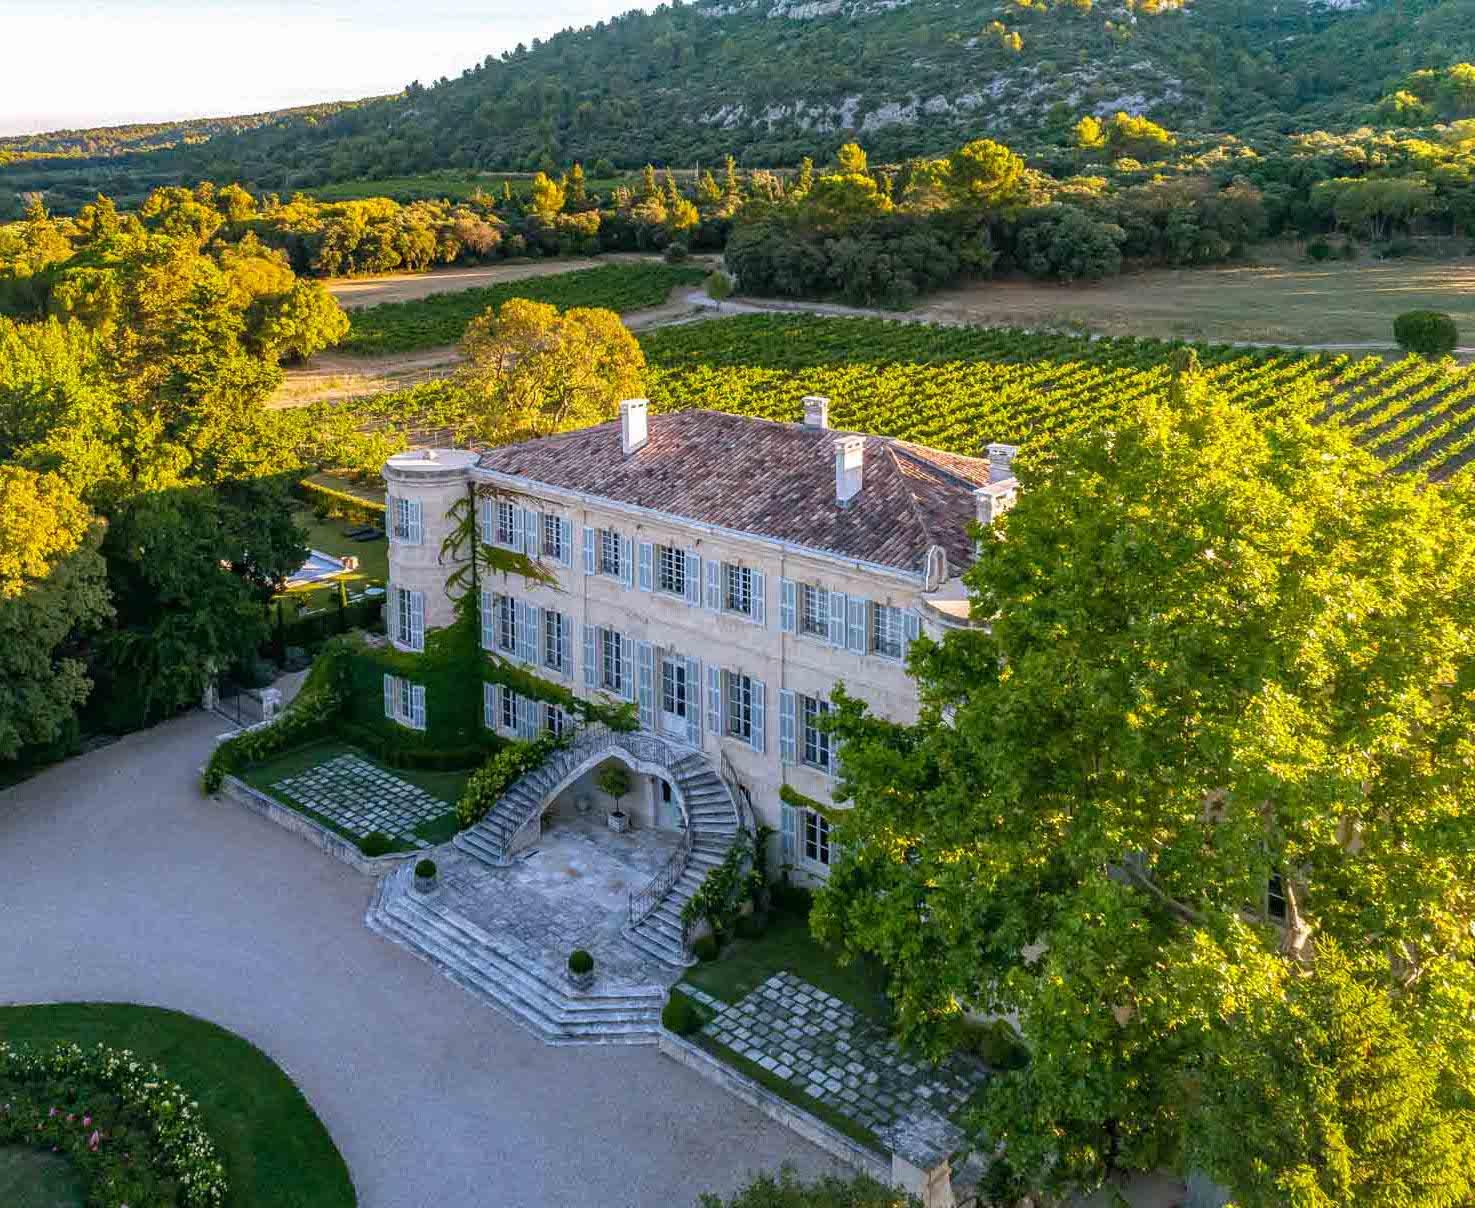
[504,977]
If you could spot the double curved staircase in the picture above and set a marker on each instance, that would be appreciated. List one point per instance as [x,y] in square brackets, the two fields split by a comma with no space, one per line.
[707,802]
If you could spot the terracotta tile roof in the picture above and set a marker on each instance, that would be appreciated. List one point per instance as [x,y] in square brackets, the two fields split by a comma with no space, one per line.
[771,479]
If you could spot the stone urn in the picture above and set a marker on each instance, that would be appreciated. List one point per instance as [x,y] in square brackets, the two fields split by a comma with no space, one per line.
[425,877]
[619,821]
[580,970]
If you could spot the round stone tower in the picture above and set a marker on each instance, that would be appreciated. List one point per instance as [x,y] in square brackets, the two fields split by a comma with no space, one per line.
[422,485]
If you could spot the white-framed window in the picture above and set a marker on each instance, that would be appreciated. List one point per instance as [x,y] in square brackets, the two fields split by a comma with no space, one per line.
[553,535]
[404,701]
[814,611]
[406,525]
[614,662]
[504,524]
[504,624]
[814,838]
[738,691]
[611,560]
[409,619]
[554,720]
[737,589]
[1275,899]
[508,718]
[555,640]
[888,631]
[815,744]
[671,570]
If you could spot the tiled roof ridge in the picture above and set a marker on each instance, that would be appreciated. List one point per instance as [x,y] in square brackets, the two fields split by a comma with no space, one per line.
[912,499]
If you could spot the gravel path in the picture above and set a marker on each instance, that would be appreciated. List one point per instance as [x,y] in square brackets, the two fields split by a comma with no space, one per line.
[122,883]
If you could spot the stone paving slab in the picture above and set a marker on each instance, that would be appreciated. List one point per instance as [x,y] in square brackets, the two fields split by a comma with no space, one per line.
[829,1051]
[361,798]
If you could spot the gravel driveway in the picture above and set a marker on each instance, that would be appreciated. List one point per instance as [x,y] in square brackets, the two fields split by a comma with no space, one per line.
[122,883]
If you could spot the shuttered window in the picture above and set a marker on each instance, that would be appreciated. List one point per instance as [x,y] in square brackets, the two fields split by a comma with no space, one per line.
[815,748]
[671,570]
[814,610]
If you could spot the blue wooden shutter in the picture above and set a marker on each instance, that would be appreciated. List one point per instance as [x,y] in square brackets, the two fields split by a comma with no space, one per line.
[417,706]
[488,633]
[647,566]
[516,542]
[787,747]
[627,561]
[627,672]
[759,739]
[714,701]
[693,579]
[837,618]
[790,832]
[714,584]
[566,540]
[417,523]
[591,658]
[589,563]
[788,605]
[647,685]
[489,706]
[532,533]
[417,620]
[389,696]
[856,630]
[527,718]
[694,702]
[760,598]
[912,621]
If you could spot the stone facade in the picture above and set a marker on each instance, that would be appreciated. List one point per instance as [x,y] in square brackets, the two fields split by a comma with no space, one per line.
[632,624]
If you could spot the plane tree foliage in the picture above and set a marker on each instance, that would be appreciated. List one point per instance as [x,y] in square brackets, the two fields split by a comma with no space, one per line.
[1190,800]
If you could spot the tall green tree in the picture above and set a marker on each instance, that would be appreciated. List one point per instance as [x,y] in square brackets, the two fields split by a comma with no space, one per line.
[1214,727]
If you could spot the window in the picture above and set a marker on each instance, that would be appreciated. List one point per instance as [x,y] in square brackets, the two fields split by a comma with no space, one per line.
[814,610]
[816,742]
[614,671]
[554,720]
[505,530]
[673,686]
[671,570]
[816,838]
[504,623]
[404,702]
[555,641]
[409,619]
[610,562]
[739,705]
[737,589]
[553,538]
[1275,899]
[887,631]
[509,710]
[406,522]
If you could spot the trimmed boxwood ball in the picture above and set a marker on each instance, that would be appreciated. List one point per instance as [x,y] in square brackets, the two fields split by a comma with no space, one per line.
[426,868]
[580,961]
[376,843]
[705,948]
[680,1016]
[1430,333]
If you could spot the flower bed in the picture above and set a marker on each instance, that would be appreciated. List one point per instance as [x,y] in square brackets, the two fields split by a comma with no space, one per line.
[135,1138]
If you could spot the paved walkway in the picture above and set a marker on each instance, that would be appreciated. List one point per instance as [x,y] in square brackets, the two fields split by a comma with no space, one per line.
[122,883]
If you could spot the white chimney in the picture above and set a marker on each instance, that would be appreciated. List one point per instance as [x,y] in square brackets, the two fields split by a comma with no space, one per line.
[634,431]
[816,411]
[850,461]
[994,500]
[1001,462]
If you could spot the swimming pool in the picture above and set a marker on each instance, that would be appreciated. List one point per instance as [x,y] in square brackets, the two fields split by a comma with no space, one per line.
[318,567]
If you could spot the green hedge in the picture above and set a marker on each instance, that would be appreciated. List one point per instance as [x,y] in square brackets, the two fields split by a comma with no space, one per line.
[1430,333]
[339,504]
[488,782]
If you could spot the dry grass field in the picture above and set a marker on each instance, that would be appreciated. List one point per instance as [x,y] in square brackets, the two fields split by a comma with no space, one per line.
[1295,302]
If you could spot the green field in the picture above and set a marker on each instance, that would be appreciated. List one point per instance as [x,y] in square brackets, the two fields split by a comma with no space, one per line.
[395,327]
[960,388]
[276,1152]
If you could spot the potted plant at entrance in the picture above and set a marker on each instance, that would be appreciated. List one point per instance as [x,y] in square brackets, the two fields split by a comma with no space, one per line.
[615,781]
[425,876]
[580,969]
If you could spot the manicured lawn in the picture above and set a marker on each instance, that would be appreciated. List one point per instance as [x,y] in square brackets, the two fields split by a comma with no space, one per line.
[327,535]
[788,947]
[32,1179]
[446,786]
[276,1152]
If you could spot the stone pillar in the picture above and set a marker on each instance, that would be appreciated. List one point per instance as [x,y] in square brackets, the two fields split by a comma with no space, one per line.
[271,703]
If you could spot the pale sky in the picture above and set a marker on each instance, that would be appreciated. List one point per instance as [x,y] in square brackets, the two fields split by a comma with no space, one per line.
[75,63]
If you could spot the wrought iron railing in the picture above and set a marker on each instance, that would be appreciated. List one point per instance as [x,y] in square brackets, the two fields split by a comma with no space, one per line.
[742,805]
[644,901]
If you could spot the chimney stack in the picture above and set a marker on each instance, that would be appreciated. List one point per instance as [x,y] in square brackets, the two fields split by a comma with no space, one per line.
[816,411]
[850,460]
[994,500]
[1001,462]
[633,429]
